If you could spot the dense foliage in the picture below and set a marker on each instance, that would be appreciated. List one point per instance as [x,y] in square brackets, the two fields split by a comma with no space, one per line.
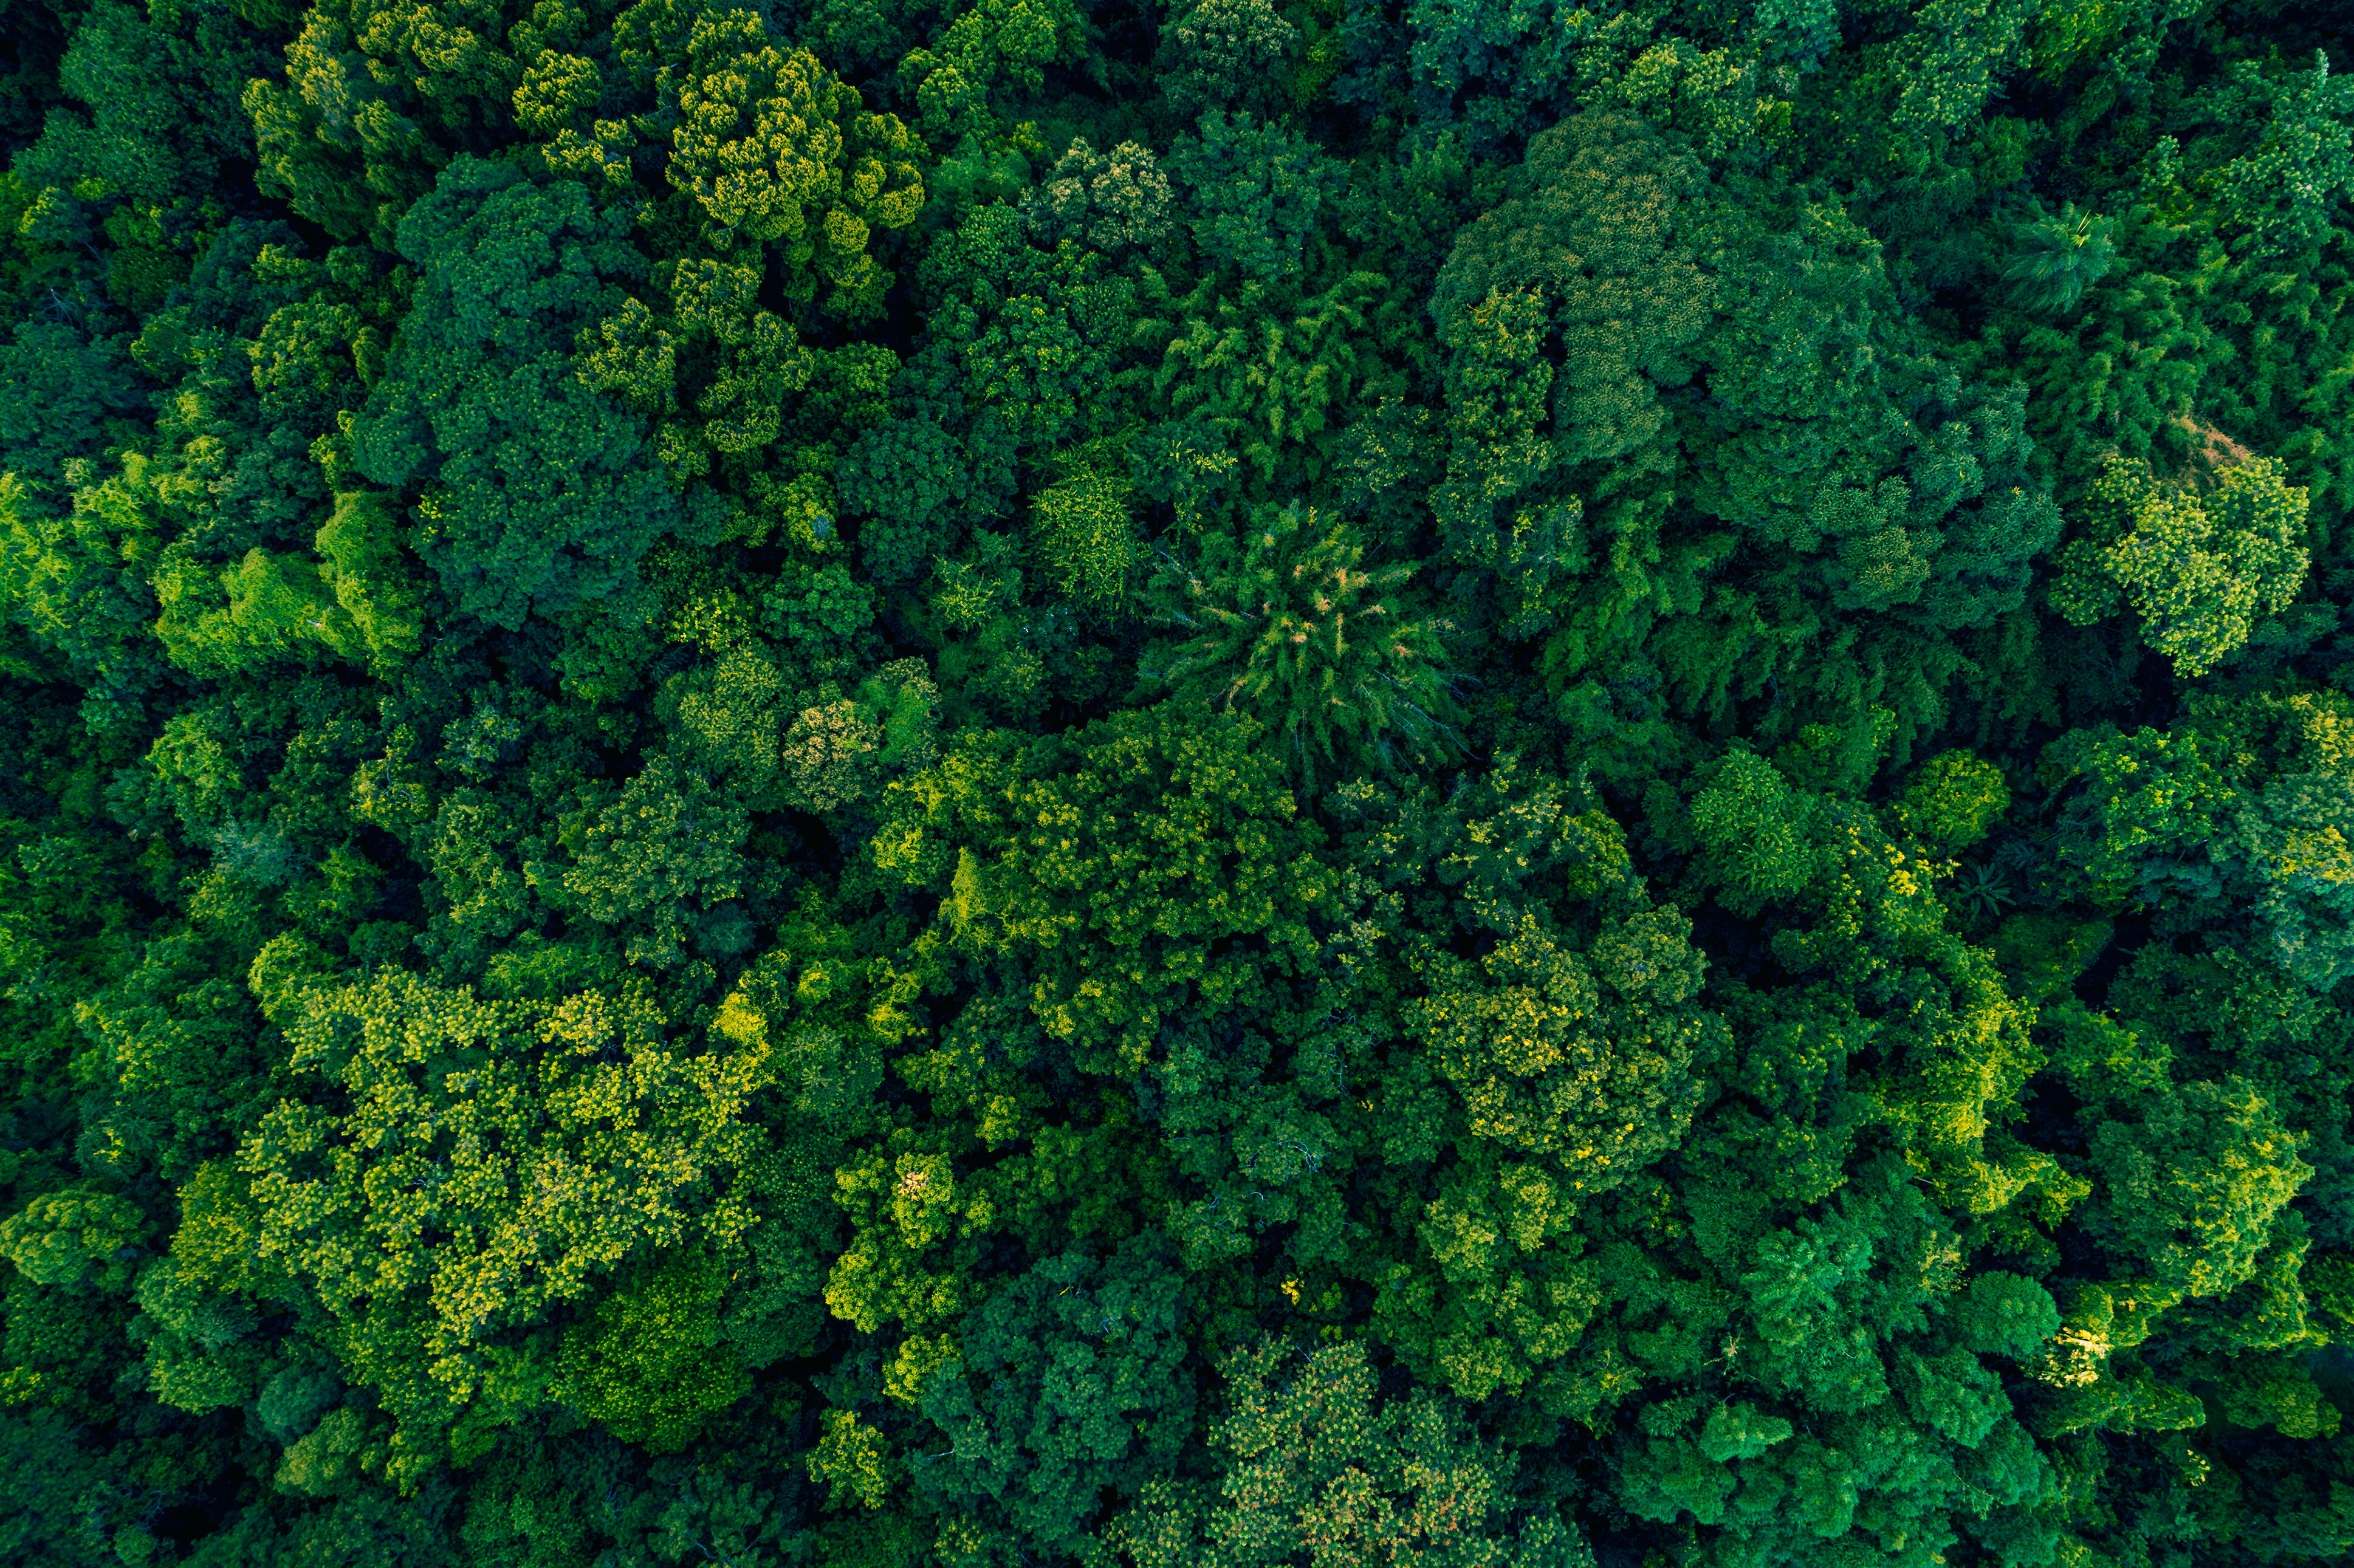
[1329,783]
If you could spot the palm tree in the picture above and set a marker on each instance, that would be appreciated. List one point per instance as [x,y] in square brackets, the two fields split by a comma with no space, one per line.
[2059,257]
[1329,654]
[1980,892]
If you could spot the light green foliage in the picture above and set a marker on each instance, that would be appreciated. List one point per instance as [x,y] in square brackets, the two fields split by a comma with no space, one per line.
[73,1237]
[724,714]
[2199,570]
[850,1460]
[1577,1059]
[1103,199]
[273,606]
[839,752]
[306,356]
[1497,1303]
[755,361]
[994,51]
[534,1145]
[1500,379]
[364,565]
[2147,794]
[1954,801]
[556,89]
[353,167]
[1312,1458]
[630,355]
[1159,840]
[1266,377]
[826,756]
[2190,1186]
[76,579]
[651,1363]
[1083,530]
[360,598]
[2280,189]
[2247,801]
[1766,835]
[1560,1065]
[1951,60]
[1336,660]
[1711,96]
[913,1227]
[775,150]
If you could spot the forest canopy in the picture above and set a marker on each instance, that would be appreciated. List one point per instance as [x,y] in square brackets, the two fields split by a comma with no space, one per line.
[1176,783]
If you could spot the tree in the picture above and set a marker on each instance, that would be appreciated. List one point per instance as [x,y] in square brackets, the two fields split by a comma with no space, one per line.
[2245,802]
[1604,240]
[1555,1068]
[1558,1055]
[2059,257]
[500,1156]
[1266,376]
[1334,659]
[907,479]
[1253,192]
[1225,54]
[651,1363]
[533,493]
[776,151]
[76,582]
[360,598]
[1954,801]
[662,852]
[1313,1459]
[1114,870]
[1104,200]
[2280,189]
[73,1238]
[2190,1186]
[2197,571]
[1768,835]
[1083,528]
[991,57]
[1065,1384]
